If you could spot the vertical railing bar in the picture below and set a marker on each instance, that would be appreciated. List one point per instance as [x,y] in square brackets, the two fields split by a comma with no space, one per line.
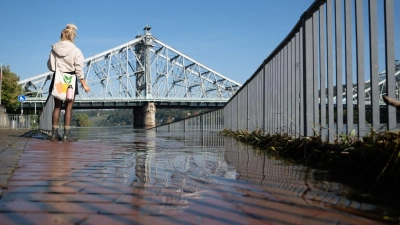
[289,88]
[330,71]
[270,96]
[277,109]
[360,68]
[279,97]
[299,80]
[224,119]
[280,91]
[293,79]
[247,105]
[261,100]
[374,62]
[390,66]
[230,117]
[284,90]
[234,120]
[273,94]
[276,95]
[319,45]
[339,68]
[237,112]
[308,78]
[349,70]
[256,100]
[301,74]
[267,98]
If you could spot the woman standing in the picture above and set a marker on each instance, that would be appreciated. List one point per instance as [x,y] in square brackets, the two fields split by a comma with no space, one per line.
[69,59]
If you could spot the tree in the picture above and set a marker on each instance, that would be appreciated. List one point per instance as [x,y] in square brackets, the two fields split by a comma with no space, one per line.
[9,90]
[83,120]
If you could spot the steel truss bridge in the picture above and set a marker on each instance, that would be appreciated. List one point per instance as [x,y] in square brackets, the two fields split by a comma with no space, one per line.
[138,72]
[382,89]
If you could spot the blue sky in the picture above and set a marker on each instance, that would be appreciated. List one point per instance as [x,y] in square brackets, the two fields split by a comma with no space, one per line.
[232,37]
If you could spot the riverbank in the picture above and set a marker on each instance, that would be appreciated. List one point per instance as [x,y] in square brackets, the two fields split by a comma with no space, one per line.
[372,164]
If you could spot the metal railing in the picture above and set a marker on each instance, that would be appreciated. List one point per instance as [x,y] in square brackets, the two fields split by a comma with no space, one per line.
[209,121]
[18,121]
[293,90]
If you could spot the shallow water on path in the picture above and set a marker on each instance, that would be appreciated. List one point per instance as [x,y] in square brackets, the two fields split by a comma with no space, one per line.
[194,162]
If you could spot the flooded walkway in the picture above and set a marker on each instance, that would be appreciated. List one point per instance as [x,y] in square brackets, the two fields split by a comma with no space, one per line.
[122,176]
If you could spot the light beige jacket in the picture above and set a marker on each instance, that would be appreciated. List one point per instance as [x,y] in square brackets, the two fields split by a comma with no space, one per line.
[69,58]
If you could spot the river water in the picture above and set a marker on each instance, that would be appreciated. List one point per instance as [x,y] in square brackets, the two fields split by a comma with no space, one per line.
[194,161]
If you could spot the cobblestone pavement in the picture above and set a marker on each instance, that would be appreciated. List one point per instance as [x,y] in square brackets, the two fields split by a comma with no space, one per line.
[11,147]
[46,182]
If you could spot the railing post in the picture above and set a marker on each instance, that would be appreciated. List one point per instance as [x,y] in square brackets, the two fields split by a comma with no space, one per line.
[307,75]
[390,66]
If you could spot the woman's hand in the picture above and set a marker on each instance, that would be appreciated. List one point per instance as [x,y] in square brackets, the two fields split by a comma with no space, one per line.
[87,88]
[84,85]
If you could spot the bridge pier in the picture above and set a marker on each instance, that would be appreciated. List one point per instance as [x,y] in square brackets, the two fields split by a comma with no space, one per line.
[144,116]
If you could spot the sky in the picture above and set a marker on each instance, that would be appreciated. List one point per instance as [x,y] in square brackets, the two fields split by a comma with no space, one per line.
[232,37]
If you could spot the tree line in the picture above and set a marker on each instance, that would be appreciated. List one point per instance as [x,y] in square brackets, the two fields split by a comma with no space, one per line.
[9,89]
[124,117]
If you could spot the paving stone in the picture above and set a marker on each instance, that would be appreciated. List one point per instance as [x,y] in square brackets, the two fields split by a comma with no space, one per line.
[10,153]
[41,218]
[43,189]
[43,197]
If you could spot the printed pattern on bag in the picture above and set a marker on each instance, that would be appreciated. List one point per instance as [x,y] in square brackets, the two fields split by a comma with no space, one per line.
[63,86]
[61,83]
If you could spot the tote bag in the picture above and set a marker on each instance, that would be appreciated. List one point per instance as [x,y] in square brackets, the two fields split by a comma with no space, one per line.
[61,83]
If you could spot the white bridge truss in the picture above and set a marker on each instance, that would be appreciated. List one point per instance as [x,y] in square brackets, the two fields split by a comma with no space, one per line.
[382,88]
[142,69]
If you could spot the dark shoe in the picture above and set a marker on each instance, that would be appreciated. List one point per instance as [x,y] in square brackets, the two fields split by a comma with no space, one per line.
[54,135]
[68,136]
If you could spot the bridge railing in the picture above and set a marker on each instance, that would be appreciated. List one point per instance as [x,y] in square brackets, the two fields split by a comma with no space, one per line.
[333,47]
[208,121]
[18,121]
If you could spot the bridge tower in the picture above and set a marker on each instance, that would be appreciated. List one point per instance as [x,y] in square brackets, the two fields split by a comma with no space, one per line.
[144,116]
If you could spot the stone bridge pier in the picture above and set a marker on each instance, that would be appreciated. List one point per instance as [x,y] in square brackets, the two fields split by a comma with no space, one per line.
[144,116]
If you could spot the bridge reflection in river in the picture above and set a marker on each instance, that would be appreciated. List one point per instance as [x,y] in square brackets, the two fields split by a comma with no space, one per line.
[199,167]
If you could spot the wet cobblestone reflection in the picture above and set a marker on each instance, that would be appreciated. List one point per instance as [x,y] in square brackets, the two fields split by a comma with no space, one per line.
[125,176]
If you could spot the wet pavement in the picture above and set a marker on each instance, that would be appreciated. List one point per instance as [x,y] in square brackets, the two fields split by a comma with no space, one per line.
[125,176]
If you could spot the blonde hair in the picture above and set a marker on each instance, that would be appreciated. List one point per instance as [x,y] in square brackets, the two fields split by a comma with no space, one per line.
[69,33]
